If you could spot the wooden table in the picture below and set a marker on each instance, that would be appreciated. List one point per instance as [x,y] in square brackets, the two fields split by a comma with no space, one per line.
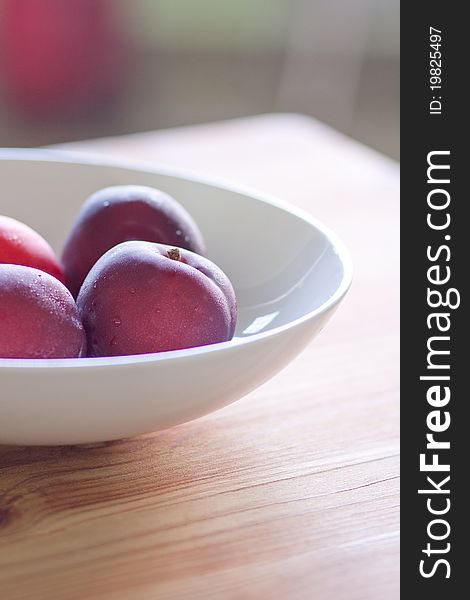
[290,493]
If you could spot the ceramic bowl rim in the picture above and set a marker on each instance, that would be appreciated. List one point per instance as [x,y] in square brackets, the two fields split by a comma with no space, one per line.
[96,159]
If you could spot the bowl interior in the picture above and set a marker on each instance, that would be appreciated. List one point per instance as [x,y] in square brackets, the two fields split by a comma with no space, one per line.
[281,265]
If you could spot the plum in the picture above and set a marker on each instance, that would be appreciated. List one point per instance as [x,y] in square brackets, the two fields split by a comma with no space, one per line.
[38,316]
[123,213]
[21,245]
[144,297]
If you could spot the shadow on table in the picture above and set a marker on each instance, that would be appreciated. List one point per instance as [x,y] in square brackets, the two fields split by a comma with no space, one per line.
[153,508]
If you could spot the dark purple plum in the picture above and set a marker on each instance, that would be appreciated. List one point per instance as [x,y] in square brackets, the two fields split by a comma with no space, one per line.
[38,316]
[119,214]
[143,297]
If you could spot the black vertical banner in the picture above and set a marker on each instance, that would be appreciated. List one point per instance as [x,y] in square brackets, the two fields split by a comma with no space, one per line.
[434,258]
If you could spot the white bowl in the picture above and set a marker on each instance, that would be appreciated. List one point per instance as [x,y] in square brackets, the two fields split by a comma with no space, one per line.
[288,270]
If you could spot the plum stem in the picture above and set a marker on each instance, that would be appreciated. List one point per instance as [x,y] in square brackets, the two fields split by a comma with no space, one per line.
[174,254]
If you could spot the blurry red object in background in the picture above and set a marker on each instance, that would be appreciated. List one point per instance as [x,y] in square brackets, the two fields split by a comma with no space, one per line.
[61,58]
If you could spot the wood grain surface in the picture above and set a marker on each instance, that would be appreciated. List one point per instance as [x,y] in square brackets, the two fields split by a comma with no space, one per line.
[293,492]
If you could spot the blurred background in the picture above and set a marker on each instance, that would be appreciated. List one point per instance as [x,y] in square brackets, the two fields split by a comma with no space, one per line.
[78,69]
